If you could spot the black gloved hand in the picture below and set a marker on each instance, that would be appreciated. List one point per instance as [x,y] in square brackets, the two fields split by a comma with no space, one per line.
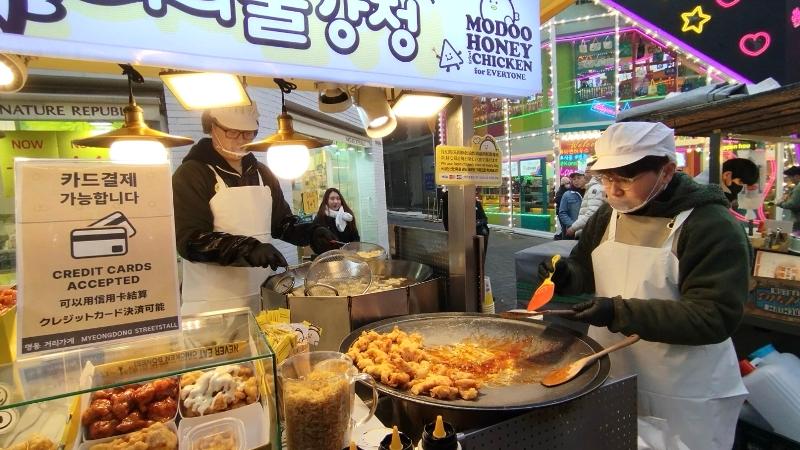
[597,311]
[266,255]
[323,240]
[560,271]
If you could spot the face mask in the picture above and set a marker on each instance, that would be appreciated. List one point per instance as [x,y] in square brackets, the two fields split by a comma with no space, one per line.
[622,208]
[224,151]
[734,191]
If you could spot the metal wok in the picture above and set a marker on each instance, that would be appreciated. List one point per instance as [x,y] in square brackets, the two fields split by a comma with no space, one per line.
[559,346]
[411,272]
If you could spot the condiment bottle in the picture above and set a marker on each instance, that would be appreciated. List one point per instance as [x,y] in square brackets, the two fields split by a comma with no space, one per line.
[396,441]
[439,435]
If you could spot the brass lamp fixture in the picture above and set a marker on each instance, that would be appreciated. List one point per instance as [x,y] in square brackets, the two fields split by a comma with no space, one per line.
[134,131]
[287,150]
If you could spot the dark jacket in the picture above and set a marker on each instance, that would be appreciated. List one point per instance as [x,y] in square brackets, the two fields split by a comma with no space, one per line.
[193,186]
[350,233]
[481,220]
[714,269]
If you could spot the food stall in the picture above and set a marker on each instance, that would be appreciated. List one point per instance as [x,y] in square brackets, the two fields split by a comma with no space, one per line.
[99,356]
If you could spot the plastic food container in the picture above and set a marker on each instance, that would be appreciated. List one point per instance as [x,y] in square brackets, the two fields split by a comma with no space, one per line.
[221,434]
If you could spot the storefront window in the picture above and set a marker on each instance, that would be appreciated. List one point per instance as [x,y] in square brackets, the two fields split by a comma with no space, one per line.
[37,139]
[349,168]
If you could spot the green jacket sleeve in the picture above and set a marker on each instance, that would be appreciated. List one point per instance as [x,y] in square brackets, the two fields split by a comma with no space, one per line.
[714,269]
[794,200]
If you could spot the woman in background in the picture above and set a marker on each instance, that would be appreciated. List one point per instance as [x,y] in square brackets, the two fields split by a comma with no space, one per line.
[336,216]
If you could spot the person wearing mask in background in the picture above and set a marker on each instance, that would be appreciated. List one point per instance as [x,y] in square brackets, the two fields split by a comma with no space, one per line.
[593,198]
[228,209]
[665,260]
[791,202]
[337,217]
[736,174]
[570,206]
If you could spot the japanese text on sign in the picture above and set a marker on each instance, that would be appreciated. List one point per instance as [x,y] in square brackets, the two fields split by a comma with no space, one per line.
[478,165]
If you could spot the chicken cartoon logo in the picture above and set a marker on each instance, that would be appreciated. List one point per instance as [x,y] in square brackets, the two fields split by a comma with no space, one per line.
[449,57]
[501,10]
[485,144]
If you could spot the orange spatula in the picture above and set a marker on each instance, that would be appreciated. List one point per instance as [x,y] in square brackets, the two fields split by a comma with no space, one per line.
[544,293]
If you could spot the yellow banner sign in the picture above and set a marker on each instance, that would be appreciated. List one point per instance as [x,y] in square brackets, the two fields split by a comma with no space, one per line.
[461,166]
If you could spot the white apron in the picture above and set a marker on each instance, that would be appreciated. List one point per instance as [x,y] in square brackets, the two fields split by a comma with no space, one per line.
[697,389]
[243,210]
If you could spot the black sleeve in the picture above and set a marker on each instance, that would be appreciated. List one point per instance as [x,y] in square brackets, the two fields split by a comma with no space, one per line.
[285,225]
[192,188]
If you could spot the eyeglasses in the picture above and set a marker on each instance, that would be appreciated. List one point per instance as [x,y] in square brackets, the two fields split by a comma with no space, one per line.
[622,183]
[236,134]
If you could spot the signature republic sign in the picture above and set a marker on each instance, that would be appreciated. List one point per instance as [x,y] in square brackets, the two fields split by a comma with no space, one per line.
[476,47]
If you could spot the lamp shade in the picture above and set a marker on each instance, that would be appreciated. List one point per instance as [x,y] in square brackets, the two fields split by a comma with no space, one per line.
[134,129]
[285,136]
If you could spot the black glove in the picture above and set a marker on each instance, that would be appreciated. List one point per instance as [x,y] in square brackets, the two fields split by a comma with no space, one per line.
[560,271]
[597,311]
[323,240]
[266,255]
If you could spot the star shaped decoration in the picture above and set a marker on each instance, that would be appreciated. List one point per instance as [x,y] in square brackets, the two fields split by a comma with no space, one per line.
[694,20]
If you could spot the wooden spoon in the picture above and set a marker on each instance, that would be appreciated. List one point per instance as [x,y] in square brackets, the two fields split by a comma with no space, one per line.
[544,293]
[566,373]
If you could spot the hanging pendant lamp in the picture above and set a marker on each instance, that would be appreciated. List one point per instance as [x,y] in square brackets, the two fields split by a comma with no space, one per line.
[134,130]
[287,150]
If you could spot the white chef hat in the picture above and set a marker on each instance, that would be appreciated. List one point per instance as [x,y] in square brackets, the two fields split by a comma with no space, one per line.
[232,117]
[627,142]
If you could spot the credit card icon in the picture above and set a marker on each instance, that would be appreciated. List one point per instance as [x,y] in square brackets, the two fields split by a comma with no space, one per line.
[115,219]
[99,242]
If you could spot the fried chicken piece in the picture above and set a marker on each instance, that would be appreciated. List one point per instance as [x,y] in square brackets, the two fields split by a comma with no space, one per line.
[377,355]
[121,403]
[35,442]
[165,387]
[361,363]
[144,395]
[429,383]
[162,410]
[132,422]
[466,383]
[444,392]
[396,379]
[468,394]
[251,390]
[98,409]
[102,429]
[154,437]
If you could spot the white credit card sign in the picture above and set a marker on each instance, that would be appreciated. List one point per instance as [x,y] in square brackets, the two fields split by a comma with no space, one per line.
[96,254]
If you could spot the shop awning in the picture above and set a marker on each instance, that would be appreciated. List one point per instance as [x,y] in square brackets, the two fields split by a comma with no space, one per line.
[549,8]
[774,113]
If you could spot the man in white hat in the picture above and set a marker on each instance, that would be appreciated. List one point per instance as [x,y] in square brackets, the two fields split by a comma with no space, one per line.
[228,208]
[666,261]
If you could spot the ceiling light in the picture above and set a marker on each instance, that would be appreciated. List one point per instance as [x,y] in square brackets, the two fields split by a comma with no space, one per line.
[206,90]
[379,118]
[419,105]
[134,128]
[287,150]
[13,72]
[333,98]
[143,152]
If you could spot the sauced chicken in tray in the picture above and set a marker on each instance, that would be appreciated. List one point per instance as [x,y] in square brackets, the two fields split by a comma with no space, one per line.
[449,372]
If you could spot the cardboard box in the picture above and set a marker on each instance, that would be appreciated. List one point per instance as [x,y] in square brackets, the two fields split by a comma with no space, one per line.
[777,279]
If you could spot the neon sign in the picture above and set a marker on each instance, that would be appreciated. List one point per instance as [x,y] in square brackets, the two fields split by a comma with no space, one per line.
[694,20]
[608,110]
[754,44]
[727,3]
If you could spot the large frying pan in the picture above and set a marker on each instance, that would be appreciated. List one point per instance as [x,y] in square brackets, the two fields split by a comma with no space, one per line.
[559,346]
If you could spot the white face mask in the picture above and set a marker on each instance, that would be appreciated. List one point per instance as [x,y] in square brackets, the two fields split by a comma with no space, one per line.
[622,208]
[229,154]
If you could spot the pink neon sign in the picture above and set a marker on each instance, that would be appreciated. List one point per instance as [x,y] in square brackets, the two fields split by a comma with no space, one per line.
[755,39]
[727,3]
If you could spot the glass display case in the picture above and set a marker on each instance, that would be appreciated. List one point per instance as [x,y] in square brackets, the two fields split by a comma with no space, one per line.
[119,392]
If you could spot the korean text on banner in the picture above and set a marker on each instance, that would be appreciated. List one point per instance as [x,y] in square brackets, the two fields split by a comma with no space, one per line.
[478,165]
[96,253]
[475,47]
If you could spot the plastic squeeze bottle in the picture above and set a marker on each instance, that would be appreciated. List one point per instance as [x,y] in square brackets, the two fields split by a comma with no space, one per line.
[396,441]
[439,435]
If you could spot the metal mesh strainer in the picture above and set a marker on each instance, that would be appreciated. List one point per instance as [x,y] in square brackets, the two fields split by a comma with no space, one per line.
[339,273]
[365,250]
[284,282]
